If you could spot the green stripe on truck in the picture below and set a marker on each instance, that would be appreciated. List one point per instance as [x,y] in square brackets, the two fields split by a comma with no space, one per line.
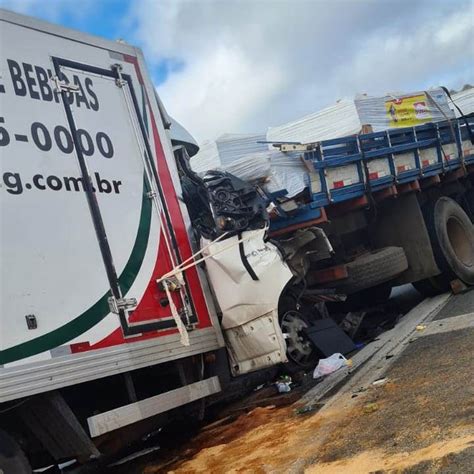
[99,310]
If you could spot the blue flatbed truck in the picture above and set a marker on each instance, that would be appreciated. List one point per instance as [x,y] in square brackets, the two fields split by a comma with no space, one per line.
[408,189]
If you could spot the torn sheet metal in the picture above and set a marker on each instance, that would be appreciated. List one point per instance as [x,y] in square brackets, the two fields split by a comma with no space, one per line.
[249,306]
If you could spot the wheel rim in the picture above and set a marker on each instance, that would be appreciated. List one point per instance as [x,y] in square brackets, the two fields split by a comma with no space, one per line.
[299,347]
[460,241]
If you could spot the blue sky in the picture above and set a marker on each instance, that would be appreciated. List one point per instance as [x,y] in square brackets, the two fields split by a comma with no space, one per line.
[241,65]
[106,18]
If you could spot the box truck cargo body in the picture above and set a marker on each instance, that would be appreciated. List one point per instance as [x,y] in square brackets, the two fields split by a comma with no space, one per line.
[90,219]
[107,322]
[90,211]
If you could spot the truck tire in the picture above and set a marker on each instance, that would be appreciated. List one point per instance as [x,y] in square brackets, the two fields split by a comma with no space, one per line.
[373,269]
[12,458]
[293,321]
[452,238]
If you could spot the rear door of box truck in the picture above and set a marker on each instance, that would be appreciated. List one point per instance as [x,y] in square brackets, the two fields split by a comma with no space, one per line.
[90,216]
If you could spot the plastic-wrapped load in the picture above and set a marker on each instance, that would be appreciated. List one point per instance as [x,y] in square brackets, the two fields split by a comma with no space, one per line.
[206,159]
[273,170]
[254,167]
[233,146]
[464,100]
[347,116]
[225,150]
[287,172]
[336,121]
[403,110]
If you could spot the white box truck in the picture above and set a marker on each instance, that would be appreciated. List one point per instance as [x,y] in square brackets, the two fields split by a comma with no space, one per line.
[99,327]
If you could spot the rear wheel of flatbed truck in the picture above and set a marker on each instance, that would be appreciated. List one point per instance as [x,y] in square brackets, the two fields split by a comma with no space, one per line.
[12,457]
[452,238]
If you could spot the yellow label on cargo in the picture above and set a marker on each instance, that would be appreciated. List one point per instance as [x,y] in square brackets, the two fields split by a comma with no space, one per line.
[408,111]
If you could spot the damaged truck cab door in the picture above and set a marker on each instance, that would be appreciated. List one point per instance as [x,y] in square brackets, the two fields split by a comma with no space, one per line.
[248,276]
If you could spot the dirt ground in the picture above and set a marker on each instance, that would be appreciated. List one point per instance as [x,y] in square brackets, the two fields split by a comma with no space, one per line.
[420,421]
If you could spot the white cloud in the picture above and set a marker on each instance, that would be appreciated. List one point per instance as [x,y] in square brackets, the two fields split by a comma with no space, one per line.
[251,64]
[202,98]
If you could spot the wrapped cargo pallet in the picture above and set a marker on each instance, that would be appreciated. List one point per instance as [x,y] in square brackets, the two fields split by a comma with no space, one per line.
[225,150]
[335,121]
[347,116]
[287,171]
[464,100]
[403,110]
[246,158]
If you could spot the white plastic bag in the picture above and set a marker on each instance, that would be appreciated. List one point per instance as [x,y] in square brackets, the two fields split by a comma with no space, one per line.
[329,365]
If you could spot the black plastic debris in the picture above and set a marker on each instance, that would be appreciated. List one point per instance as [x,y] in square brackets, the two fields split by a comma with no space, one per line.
[329,338]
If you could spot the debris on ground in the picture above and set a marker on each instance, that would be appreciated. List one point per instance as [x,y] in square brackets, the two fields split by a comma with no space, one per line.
[283,384]
[357,392]
[329,365]
[328,337]
[370,407]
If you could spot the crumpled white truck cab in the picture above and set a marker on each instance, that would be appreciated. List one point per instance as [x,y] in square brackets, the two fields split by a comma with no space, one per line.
[249,299]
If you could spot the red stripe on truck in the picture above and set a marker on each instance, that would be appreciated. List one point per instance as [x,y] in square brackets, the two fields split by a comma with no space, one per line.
[180,231]
[149,306]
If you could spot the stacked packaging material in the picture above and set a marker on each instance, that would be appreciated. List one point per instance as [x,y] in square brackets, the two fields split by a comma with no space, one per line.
[233,146]
[272,169]
[207,158]
[253,167]
[348,116]
[225,150]
[287,172]
[336,121]
[283,171]
[403,110]
[464,100]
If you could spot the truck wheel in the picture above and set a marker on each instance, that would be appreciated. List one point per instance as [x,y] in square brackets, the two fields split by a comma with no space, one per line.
[373,269]
[12,458]
[300,350]
[452,238]
[294,319]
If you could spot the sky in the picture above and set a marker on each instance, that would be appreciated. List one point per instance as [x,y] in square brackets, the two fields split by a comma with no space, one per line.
[240,66]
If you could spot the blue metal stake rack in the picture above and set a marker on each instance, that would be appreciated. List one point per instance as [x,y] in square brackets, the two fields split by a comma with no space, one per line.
[430,149]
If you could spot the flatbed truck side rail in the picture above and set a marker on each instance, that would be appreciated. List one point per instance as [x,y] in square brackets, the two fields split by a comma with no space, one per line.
[356,166]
